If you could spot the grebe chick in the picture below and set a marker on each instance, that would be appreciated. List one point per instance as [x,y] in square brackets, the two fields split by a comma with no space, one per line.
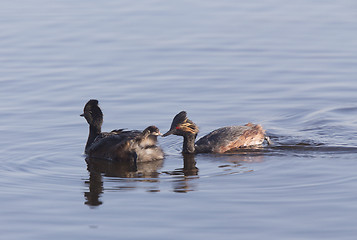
[147,150]
[149,136]
[218,141]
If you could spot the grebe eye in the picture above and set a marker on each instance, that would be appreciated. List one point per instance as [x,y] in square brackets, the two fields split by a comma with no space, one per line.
[177,128]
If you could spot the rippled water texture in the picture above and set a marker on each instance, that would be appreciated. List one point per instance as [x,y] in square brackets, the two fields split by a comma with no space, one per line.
[290,66]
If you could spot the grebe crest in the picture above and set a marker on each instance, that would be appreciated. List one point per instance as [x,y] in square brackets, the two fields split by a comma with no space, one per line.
[181,125]
[92,113]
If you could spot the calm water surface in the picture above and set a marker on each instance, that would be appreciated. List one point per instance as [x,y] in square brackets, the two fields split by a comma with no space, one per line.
[290,66]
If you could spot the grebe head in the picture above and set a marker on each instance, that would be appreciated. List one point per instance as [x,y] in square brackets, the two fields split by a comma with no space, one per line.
[181,126]
[92,113]
[152,130]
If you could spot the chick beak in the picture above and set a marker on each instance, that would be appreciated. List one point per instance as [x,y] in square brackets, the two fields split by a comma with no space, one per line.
[82,115]
[157,133]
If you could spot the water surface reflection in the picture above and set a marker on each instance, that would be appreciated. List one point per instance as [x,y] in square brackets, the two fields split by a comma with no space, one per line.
[117,172]
[125,175]
[182,177]
[122,176]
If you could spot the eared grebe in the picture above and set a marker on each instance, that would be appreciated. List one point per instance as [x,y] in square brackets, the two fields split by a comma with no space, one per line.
[218,141]
[128,145]
[119,144]
[94,117]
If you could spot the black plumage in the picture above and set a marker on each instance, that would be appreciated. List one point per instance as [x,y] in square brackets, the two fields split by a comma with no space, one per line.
[121,145]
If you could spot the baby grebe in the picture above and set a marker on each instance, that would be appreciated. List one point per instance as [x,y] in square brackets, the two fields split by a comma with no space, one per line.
[119,144]
[218,141]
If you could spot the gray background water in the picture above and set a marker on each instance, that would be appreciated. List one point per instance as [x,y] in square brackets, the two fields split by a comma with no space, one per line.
[290,66]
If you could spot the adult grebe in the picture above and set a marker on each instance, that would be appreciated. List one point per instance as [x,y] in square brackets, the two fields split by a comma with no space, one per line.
[119,144]
[218,141]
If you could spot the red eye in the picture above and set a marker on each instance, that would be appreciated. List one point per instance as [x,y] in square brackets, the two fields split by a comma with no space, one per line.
[177,127]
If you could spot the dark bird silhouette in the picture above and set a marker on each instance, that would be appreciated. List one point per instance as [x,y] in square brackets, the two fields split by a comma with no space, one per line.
[119,144]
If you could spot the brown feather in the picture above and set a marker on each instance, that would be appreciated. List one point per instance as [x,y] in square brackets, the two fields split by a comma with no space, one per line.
[251,137]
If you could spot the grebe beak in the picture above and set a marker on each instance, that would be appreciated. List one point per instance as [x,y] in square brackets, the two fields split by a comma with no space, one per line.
[82,115]
[169,133]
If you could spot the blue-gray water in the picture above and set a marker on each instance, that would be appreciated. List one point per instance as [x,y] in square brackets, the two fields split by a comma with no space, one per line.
[290,66]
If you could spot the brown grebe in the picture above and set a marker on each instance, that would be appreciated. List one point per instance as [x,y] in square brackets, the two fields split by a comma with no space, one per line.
[218,141]
[119,144]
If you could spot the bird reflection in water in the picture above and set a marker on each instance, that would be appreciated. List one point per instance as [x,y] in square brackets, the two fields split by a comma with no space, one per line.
[183,176]
[99,168]
[126,174]
[120,172]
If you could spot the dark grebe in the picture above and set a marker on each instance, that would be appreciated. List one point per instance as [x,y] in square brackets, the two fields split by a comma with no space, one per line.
[119,144]
[128,145]
[218,141]
[94,117]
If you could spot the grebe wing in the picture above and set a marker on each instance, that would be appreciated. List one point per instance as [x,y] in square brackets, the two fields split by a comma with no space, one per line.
[229,138]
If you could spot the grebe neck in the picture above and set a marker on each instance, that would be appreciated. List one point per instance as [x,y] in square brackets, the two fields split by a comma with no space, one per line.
[189,143]
[94,131]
